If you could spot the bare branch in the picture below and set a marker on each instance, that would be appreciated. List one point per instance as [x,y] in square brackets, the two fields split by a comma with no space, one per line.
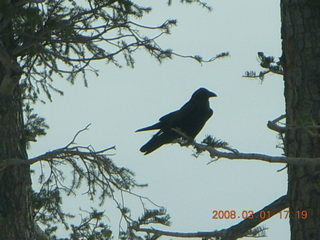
[253,156]
[77,134]
[273,125]
[239,230]
[234,154]
[215,234]
[200,59]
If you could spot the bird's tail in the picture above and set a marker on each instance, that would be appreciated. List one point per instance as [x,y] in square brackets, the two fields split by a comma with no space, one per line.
[152,127]
[155,142]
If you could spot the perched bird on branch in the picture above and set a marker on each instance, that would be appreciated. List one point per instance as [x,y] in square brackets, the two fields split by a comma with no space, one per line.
[189,120]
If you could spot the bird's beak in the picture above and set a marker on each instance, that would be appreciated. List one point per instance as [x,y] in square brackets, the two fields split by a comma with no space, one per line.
[212,94]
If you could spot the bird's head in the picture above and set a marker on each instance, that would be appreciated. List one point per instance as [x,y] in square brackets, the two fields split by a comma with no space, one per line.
[203,93]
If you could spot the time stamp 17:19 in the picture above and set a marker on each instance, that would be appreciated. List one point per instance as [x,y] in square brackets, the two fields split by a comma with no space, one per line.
[232,214]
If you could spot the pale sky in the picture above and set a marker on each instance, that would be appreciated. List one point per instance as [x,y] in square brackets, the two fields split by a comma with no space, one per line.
[120,101]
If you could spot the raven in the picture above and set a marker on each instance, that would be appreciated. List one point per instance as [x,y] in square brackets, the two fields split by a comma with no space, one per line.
[189,119]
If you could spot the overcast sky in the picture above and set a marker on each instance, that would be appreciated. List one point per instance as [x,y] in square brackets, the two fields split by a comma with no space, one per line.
[120,101]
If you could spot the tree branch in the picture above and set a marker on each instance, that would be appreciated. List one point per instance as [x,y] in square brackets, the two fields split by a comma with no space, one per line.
[211,145]
[87,163]
[64,40]
[239,230]
[102,179]
[87,153]
[21,3]
[273,125]
[235,155]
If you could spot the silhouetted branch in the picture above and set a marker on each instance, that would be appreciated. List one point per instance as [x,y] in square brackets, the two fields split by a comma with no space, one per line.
[242,229]
[267,62]
[215,154]
[211,145]
[200,59]
[102,179]
[66,40]
[273,125]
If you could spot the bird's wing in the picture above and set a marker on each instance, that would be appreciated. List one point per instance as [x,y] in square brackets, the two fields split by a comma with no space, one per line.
[172,119]
[190,119]
[168,118]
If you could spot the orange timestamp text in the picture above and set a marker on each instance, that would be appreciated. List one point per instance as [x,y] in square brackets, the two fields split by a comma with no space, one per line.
[232,214]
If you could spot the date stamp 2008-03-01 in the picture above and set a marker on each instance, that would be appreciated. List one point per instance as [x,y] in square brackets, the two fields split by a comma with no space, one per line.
[232,214]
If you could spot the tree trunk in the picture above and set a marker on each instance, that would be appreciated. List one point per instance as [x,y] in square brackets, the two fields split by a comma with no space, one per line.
[301,62]
[16,216]
[16,212]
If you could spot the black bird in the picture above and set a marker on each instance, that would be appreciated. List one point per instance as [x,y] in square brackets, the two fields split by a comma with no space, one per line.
[189,119]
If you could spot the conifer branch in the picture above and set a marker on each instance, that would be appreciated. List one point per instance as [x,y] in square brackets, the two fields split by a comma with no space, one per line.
[103,180]
[242,229]
[270,63]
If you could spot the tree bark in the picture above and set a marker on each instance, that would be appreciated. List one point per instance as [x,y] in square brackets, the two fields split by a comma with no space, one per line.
[301,62]
[16,212]
[16,215]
